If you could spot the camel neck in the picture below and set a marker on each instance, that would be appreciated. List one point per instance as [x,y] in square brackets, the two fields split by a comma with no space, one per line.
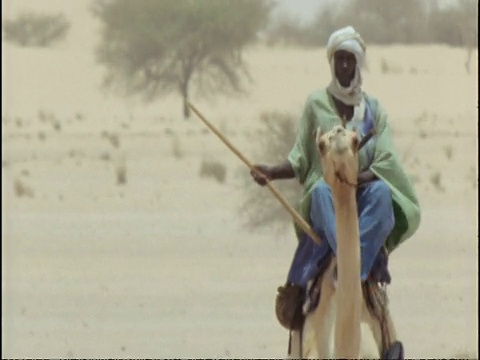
[348,241]
[349,292]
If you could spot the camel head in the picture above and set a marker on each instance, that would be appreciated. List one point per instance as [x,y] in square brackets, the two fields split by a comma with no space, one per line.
[338,149]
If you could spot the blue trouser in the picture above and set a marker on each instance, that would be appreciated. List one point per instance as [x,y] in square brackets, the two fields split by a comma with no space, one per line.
[375,218]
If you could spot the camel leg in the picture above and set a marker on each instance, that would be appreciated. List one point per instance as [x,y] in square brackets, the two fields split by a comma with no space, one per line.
[376,329]
[374,326]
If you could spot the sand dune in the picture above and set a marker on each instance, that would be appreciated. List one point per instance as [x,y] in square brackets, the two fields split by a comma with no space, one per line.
[114,246]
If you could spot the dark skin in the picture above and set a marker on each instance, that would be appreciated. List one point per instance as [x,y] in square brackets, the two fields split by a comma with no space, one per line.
[345,65]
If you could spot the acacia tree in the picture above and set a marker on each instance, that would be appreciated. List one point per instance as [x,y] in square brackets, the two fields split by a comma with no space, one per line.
[154,47]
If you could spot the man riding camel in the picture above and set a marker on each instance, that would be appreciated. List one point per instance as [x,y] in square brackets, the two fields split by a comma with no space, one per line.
[388,208]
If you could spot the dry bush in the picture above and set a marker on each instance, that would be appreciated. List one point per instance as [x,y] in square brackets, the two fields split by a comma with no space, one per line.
[273,142]
[113,138]
[57,125]
[384,67]
[21,189]
[121,172]
[448,151]
[436,180]
[213,169]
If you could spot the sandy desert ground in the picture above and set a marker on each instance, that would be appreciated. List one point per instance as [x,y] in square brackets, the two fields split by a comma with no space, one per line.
[160,265]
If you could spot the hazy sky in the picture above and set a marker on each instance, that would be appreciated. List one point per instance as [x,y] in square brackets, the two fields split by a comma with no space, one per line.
[303,9]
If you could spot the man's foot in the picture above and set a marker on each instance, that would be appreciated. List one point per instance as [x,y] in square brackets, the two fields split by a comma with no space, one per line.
[395,352]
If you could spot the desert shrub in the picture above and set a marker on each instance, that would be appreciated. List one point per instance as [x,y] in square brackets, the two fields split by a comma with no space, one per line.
[213,169]
[21,189]
[436,180]
[272,142]
[57,125]
[112,138]
[448,151]
[39,30]
[41,136]
[404,22]
[384,67]
[121,172]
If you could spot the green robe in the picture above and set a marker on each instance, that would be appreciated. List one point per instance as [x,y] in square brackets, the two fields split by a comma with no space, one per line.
[320,111]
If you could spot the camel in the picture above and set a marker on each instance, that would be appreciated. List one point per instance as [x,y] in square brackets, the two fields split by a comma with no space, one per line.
[342,311]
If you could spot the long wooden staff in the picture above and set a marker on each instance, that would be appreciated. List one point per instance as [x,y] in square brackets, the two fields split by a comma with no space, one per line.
[295,215]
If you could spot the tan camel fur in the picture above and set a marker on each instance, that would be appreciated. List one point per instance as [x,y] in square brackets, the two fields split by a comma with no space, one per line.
[342,310]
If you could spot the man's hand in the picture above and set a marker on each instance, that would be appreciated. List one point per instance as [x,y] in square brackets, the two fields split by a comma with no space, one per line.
[365,177]
[262,175]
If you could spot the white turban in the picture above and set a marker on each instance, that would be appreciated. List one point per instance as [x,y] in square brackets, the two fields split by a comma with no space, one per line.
[349,40]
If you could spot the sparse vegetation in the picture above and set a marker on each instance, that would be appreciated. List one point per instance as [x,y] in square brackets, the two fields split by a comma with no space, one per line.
[46,117]
[113,138]
[448,151]
[384,67]
[213,169]
[165,46]
[21,189]
[41,136]
[403,22]
[436,180]
[121,172]
[57,126]
[35,30]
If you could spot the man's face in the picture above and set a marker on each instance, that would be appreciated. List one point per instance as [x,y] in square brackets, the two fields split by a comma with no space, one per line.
[345,64]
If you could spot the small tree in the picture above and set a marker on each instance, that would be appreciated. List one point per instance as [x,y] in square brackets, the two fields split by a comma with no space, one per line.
[40,30]
[152,47]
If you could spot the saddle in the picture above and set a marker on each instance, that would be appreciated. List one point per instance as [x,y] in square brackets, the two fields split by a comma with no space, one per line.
[301,294]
